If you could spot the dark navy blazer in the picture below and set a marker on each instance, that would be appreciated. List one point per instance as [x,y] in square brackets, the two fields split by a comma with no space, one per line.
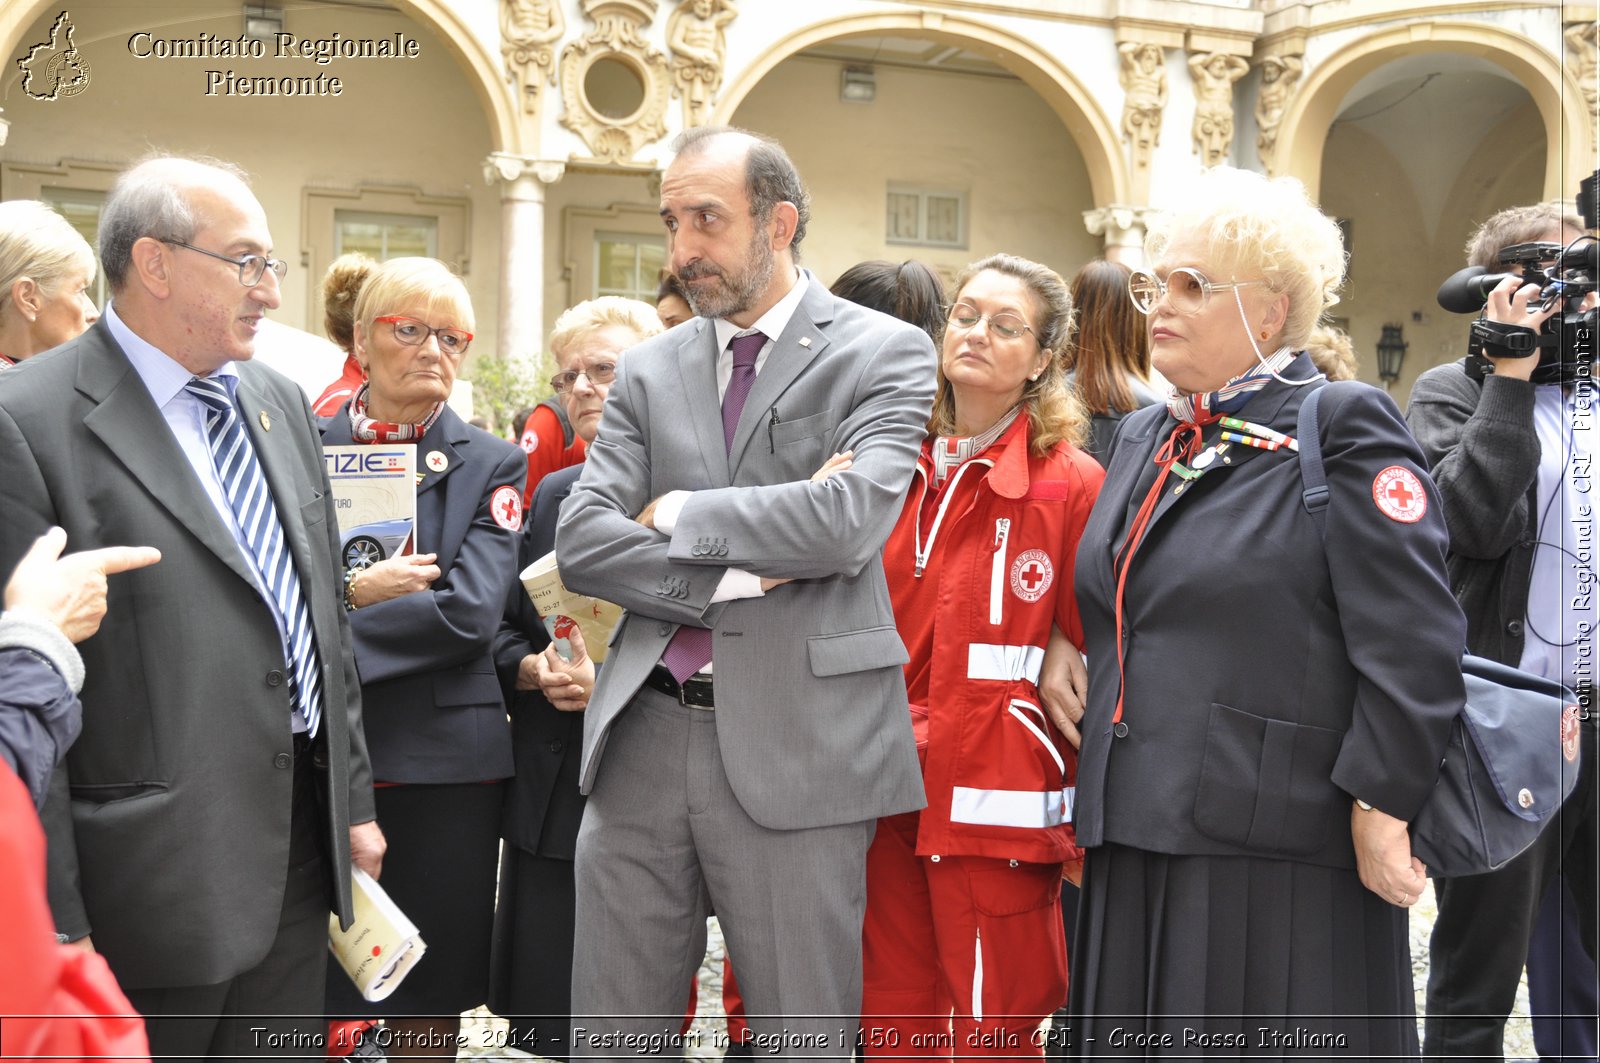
[1271,678]
[434,711]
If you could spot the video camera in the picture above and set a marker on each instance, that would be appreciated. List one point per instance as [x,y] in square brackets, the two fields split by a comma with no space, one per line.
[1565,275]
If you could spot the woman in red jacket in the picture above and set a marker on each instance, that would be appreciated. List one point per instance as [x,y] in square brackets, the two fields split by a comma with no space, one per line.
[963,945]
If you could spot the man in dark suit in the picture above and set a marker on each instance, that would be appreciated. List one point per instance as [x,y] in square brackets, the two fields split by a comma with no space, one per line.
[206,819]
[755,790]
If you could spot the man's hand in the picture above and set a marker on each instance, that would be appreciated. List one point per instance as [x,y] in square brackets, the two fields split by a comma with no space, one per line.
[393,577]
[838,463]
[367,846]
[70,591]
[1509,303]
[566,684]
[1064,685]
[1383,856]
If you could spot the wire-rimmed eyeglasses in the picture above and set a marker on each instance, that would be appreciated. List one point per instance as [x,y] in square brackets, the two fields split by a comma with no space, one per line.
[599,375]
[964,317]
[252,268]
[1186,288]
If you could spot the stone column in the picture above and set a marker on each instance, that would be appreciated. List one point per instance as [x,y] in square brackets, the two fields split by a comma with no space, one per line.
[1123,230]
[522,182]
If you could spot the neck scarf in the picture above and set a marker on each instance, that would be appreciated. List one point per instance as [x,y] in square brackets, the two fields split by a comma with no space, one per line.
[950,452]
[1193,414]
[364,429]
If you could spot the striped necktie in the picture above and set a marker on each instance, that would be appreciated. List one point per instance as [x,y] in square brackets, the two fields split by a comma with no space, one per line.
[690,648]
[246,487]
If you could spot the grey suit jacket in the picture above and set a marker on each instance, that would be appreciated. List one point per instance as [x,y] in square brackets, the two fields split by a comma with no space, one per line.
[169,822]
[811,705]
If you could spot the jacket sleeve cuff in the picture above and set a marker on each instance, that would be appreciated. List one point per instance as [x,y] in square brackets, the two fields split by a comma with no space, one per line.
[34,631]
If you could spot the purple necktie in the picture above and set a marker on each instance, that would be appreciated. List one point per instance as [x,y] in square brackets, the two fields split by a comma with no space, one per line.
[690,648]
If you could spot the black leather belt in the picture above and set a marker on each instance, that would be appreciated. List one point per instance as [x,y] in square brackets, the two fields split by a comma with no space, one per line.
[693,692]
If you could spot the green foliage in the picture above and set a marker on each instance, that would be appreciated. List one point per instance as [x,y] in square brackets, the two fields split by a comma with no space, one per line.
[503,385]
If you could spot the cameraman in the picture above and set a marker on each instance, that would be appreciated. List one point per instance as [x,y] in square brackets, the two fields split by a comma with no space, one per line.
[1512,459]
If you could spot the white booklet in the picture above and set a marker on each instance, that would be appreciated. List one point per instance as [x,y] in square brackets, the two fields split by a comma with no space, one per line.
[562,609]
[381,946]
[375,496]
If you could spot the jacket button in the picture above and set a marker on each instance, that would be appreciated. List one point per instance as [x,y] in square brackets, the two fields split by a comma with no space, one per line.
[662,629]
[283,760]
[934,858]
[274,678]
[1119,729]
[1514,628]
[556,747]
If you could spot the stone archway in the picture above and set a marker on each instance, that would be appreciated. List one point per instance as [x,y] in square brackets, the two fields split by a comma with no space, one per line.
[1569,136]
[1096,135]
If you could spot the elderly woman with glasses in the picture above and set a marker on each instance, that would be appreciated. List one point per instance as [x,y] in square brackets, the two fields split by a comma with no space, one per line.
[533,937]
[423,624]
[1267,707]
[963,948]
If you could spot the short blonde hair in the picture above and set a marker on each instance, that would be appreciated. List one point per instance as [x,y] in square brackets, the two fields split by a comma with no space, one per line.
[578,322]
[1252,227]
[38,243]
[403,280]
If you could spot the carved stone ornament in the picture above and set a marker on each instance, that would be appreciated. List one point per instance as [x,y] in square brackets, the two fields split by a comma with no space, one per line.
[1144,80]
[1280,75]
[699,53]
[1581,60]
[616,38]
[1214,74]
[507,168]
[529,30]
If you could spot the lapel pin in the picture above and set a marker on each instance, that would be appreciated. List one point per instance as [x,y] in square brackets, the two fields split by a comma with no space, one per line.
[437,461]
[805,341]
[266,422]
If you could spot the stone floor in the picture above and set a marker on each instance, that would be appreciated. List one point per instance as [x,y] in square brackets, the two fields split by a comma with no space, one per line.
[484,1032]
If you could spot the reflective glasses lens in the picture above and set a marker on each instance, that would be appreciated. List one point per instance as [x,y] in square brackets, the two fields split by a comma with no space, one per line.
[1187,290]
[1144,290]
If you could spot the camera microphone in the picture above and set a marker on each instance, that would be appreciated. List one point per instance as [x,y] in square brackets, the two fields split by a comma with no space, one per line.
[1467,290]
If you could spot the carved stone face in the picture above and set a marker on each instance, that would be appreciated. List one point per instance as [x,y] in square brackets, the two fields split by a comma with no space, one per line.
[1271,71]
[1215,133]
[703,8]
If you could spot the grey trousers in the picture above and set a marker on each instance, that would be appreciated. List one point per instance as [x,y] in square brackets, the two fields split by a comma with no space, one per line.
[664,843]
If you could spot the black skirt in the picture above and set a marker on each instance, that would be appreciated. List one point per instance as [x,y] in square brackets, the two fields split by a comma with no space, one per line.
[1236,956]
[440,870]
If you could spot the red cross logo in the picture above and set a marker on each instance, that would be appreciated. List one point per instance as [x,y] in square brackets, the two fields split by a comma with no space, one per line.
[1031,574]
[505,506]
[1399,495]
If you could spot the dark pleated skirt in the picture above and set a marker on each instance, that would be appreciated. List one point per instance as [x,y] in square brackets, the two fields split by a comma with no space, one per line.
[440,869]
[1236,956]
[531,960]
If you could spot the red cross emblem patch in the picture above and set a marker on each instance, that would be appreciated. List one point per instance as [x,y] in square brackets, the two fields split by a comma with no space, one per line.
[1031,575]
[505,506]
[1399,494]
[1569,733]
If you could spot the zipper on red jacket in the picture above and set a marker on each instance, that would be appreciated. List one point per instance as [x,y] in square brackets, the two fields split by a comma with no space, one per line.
[925,549]
[997,571]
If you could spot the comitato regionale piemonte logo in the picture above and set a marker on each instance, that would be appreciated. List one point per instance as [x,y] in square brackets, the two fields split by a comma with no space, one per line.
[54,69]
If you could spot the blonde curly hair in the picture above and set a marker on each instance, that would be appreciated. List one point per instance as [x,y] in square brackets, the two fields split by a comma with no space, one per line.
[1251,227]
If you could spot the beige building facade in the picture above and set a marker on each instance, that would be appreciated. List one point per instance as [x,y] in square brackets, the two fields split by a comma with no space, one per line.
[522,140]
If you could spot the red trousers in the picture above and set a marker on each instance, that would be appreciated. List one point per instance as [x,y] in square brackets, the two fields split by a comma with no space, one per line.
[962,955]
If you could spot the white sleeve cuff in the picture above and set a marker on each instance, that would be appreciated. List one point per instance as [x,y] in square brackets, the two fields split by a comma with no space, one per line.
[737,583]
[668,507]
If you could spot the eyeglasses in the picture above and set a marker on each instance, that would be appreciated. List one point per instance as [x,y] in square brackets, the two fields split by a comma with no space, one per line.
[964,317]
[252,268]
[413,333]
[599,375]
[1186,288]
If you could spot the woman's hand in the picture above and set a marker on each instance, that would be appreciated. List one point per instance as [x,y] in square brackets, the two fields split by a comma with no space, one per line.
[393,577]
[837,463]
[565,684]
[1064,685]
[1383,856]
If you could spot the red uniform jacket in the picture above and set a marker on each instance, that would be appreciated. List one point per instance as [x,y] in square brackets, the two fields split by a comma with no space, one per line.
[978,573]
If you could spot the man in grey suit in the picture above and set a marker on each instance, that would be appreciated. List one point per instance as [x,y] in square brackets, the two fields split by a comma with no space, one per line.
[751,787]
[205,821]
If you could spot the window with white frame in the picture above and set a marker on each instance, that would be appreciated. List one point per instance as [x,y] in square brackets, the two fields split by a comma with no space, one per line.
[930,217]
[385,236]
[628,264]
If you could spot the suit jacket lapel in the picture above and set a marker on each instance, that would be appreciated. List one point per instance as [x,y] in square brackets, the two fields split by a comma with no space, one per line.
[697,368]
[802,340]
[126,419]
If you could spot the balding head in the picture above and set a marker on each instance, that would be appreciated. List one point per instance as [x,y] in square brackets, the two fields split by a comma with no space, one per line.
[769,174]
[158,198]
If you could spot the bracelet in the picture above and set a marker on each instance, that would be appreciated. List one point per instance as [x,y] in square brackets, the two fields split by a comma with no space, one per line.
[350,589]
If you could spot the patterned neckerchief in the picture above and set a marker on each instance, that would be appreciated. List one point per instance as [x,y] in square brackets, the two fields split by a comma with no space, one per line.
[364,429]
[949,452]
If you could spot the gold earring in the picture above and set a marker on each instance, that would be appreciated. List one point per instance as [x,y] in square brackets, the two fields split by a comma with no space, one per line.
[1265,333]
